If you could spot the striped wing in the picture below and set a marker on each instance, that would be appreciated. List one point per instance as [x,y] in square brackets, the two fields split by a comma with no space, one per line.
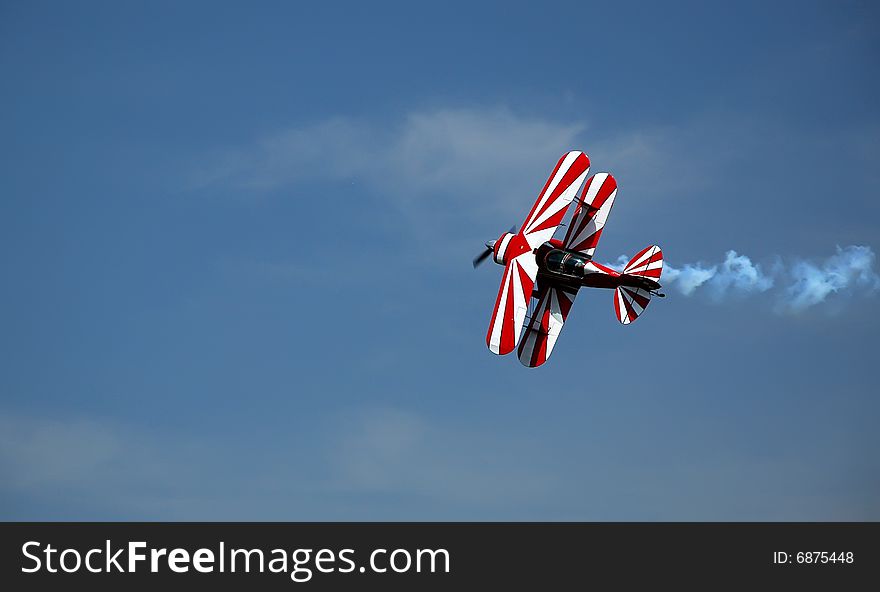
[522,269]
[552,309]
[592,211]
[511,304]
[558,192]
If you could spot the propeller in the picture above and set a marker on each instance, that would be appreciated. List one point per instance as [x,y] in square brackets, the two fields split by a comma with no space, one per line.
[490,245]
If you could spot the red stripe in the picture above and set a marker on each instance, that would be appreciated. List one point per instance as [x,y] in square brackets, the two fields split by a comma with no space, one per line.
[550,222]
[608,187]
[605,192]
[653,273]
[572,232]
[524,343]
[577,226]
[497,305]
[604,269]
[533,337]
[588,243]
[653,258]
[577,167]
[631,312]
[546,185]
[636,257]
[565,302]
[526,283]
[541,355]
[641,300]
[506,345]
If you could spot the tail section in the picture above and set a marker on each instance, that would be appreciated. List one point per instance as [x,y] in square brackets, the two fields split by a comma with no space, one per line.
[648,263]
[631,301]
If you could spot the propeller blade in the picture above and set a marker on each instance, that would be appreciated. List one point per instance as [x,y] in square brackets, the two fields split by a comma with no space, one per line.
[482,257]
[490,246]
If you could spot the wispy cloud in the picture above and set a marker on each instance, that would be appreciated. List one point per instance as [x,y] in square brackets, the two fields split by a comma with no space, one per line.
[146,473]
[797,286]
[36,453]
[396,451]
[488,160]
[80,463]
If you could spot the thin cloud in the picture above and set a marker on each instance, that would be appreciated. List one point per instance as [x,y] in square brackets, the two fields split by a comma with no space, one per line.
[435,164]
[35,453]
[398,452]
[490,161]
[143,473]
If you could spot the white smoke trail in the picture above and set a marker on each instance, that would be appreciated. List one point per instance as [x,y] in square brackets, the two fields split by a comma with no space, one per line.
[796,287]
[735,275]
[849,268]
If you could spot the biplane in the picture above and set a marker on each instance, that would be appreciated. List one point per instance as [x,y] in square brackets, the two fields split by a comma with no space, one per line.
[542,274]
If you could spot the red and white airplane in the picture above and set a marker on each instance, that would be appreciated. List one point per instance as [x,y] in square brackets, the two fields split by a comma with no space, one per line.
[542,275]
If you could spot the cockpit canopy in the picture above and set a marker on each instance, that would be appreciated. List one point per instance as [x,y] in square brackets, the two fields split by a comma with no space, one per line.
[565,263]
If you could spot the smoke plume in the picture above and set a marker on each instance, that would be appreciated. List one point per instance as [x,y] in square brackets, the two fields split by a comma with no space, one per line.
[796,286]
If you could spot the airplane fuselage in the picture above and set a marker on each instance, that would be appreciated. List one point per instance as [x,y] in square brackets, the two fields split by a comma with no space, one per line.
[579,270]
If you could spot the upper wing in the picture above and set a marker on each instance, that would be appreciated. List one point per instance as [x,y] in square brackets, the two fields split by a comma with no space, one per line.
[591,213]
[554,302]
[522,269]
[511,304]
[560,189]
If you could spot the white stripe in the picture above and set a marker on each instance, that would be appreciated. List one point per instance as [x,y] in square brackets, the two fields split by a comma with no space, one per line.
[502,248]
[648,254]
[520,305]
[497,322]
[531,336]
[595,185]
[529,264]
[562,202]
[591,267]
[567,161]
[596,223]
[555,321]
[622,315]
[528,347]
[653,265]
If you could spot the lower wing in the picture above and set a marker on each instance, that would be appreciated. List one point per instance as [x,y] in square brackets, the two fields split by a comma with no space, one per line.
[554,303]
[511,305]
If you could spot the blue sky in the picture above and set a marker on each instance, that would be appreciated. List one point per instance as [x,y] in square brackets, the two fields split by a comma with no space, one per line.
[236,244]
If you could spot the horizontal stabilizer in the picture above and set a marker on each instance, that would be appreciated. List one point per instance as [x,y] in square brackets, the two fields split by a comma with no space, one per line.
[629,303]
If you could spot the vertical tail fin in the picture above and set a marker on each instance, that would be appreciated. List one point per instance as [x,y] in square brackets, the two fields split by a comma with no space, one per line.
[647,263]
